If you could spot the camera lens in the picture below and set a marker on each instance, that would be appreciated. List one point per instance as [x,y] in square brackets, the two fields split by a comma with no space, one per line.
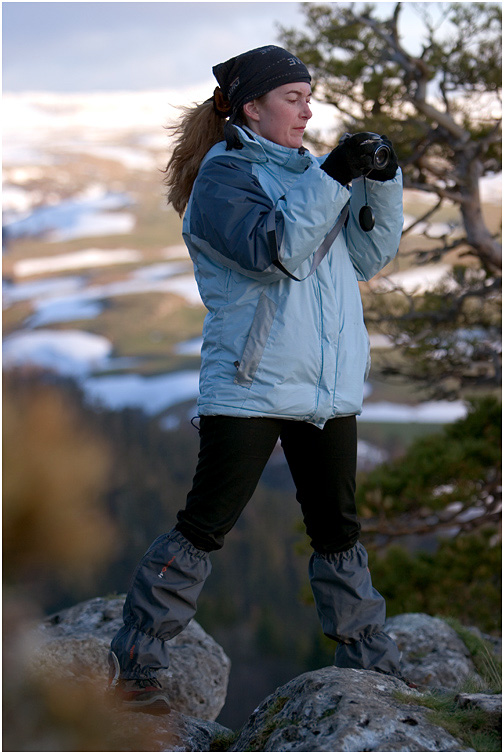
[381,157]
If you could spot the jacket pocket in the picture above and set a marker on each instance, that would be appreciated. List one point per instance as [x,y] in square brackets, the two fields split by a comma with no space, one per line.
[256,341]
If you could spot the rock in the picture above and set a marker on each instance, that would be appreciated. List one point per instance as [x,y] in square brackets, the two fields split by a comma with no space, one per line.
[200,735]
[332,709]
[432,652]
[74,644]
[491,703]
[337,710]
[174,732]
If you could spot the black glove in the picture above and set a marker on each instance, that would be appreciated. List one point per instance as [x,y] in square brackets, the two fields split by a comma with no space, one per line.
[350,159]
[388,172]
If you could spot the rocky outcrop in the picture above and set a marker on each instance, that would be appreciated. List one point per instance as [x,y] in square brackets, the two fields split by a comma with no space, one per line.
[491,703]
[74,644]
[337,709]
[432,652]
[331,709]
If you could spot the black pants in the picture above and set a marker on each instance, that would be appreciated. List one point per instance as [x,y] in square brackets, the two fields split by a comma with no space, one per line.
[233,454]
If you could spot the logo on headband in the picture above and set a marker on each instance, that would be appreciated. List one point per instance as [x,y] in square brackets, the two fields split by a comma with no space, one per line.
[234,84]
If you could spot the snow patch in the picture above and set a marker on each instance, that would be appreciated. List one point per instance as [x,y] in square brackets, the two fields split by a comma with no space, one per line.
[160,271]
[55,287]
[89,215]
[75,260]
[16,200]
[132,159]
[417,280]
[72,307]
[431,230]
[379,340]
[71,352]
[151,394]
[189,347]
[491,189]
[90,224]
[64,310]
[430,412]
[183,285]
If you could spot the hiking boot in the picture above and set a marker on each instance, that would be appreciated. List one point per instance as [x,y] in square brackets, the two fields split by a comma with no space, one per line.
[142,694]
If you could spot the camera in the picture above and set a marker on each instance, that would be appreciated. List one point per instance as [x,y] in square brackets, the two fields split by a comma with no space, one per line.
[380,155]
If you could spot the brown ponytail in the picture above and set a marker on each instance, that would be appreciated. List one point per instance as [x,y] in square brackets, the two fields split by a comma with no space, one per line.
[198,129]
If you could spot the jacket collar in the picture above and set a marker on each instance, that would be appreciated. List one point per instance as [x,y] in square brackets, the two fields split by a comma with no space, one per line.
[262,150]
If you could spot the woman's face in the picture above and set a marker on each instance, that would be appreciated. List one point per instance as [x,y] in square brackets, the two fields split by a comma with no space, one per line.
[281,115]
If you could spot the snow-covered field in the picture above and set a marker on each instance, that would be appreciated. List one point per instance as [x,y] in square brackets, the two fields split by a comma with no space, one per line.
[95,122]
[126,128]
[74,218]
[67,299]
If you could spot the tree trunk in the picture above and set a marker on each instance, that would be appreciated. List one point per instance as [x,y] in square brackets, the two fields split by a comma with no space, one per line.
[478,235]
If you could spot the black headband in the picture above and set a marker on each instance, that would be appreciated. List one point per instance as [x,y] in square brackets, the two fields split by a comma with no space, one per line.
[256,72]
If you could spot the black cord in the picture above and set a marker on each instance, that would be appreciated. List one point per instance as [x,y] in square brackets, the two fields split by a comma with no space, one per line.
[366,217]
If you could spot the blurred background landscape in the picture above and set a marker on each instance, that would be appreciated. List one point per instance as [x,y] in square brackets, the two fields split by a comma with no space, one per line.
[101,339]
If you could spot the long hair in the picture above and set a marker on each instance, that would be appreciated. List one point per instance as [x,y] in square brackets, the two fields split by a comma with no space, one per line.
[198,129]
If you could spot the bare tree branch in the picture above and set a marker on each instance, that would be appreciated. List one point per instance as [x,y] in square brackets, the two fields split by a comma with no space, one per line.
[430,188]
[423,218]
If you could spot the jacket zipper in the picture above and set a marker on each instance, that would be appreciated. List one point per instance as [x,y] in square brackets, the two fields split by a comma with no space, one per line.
[321,343]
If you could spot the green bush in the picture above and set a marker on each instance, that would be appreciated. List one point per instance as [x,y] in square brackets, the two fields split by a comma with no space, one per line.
[441,468]
[462,579]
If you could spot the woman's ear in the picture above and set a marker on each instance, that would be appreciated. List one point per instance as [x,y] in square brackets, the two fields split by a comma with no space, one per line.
[250,110]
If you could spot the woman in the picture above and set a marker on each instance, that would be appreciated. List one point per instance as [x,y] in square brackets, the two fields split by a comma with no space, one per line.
[278,251]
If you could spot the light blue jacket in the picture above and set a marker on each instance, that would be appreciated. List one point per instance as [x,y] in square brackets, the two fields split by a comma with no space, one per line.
[277,340]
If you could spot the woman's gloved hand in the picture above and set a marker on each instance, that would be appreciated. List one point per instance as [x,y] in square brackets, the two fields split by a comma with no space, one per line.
[350,159]
[353,157]
[391,169]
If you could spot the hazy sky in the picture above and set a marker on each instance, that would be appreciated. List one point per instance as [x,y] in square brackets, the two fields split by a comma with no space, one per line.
[95,46]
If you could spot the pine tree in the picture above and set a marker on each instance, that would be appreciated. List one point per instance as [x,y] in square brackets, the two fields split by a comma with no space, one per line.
[440,107]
